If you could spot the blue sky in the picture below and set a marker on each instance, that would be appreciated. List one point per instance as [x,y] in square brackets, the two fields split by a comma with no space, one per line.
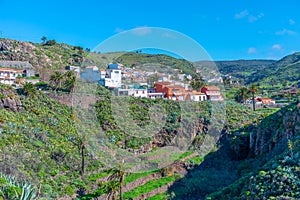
[231,29]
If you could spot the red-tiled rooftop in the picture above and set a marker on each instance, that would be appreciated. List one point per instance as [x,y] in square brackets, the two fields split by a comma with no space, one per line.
[212,88]
[164,83]
[197,93]
[7,69]
[262,99]
[175,87]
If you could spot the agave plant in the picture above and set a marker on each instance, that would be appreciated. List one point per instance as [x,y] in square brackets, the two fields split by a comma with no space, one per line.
[11,189]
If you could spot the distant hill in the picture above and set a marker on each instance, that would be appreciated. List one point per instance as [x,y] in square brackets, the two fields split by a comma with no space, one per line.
[240,69]
[156,62]
[283,72]
[286,70]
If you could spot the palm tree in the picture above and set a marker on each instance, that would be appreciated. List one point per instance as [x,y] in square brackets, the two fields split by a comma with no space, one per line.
[243,93]
[56,79]
[82,141]
[29,89]
[82,147]
[110,188]
[273,82]
[197,82]
[70,81]
[227,81]
[288,95]
[253,89]
[44,39]
[118,174]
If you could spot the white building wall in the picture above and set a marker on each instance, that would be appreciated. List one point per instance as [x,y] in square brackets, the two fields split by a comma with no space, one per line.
[113,78]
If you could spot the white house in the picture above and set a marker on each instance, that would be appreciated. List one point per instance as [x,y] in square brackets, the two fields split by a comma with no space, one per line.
[113,77]
[132,92]
[8,76]
[196,96]
[75,69]
[152,94]
[155,95]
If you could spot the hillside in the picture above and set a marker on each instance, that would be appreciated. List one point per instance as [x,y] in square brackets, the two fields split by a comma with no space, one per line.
[255,162]
[160,62]
[158,146]
[240,69]
[55,55]
[47,133]
[52,55]
[273,172]
[283,72]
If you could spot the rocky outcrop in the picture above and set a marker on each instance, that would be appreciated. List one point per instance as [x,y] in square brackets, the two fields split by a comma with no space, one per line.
[16,64]
[75,100]
[10,101]
[274,131]
[39,56]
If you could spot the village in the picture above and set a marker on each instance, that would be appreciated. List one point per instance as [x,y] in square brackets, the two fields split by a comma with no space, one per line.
[125,81]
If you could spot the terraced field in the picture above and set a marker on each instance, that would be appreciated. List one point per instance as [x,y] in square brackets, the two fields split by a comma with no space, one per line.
[152,184]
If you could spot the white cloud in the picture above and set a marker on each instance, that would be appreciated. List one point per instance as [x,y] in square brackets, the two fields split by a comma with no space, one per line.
[251,18]
[242,14]
[292,22]
[252,50]
[285,32]
[140,31]
[276,47]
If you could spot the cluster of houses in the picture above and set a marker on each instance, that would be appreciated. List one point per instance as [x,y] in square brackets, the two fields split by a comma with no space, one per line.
[167,90]
[13,72]
[163,88]
[176,92]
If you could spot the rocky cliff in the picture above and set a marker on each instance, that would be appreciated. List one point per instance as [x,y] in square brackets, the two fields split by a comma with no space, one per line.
[9,101]
[274,131]
[54,56]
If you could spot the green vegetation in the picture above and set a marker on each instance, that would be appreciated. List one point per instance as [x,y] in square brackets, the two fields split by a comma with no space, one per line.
[240,69]
[151,185]
[44,131]
[162,196]
[11,189]
[55,148]
[134,176]
[238,171]
[253,89]
[63,82]
[283,72]
[145,61]
[48,134]
[195,160]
